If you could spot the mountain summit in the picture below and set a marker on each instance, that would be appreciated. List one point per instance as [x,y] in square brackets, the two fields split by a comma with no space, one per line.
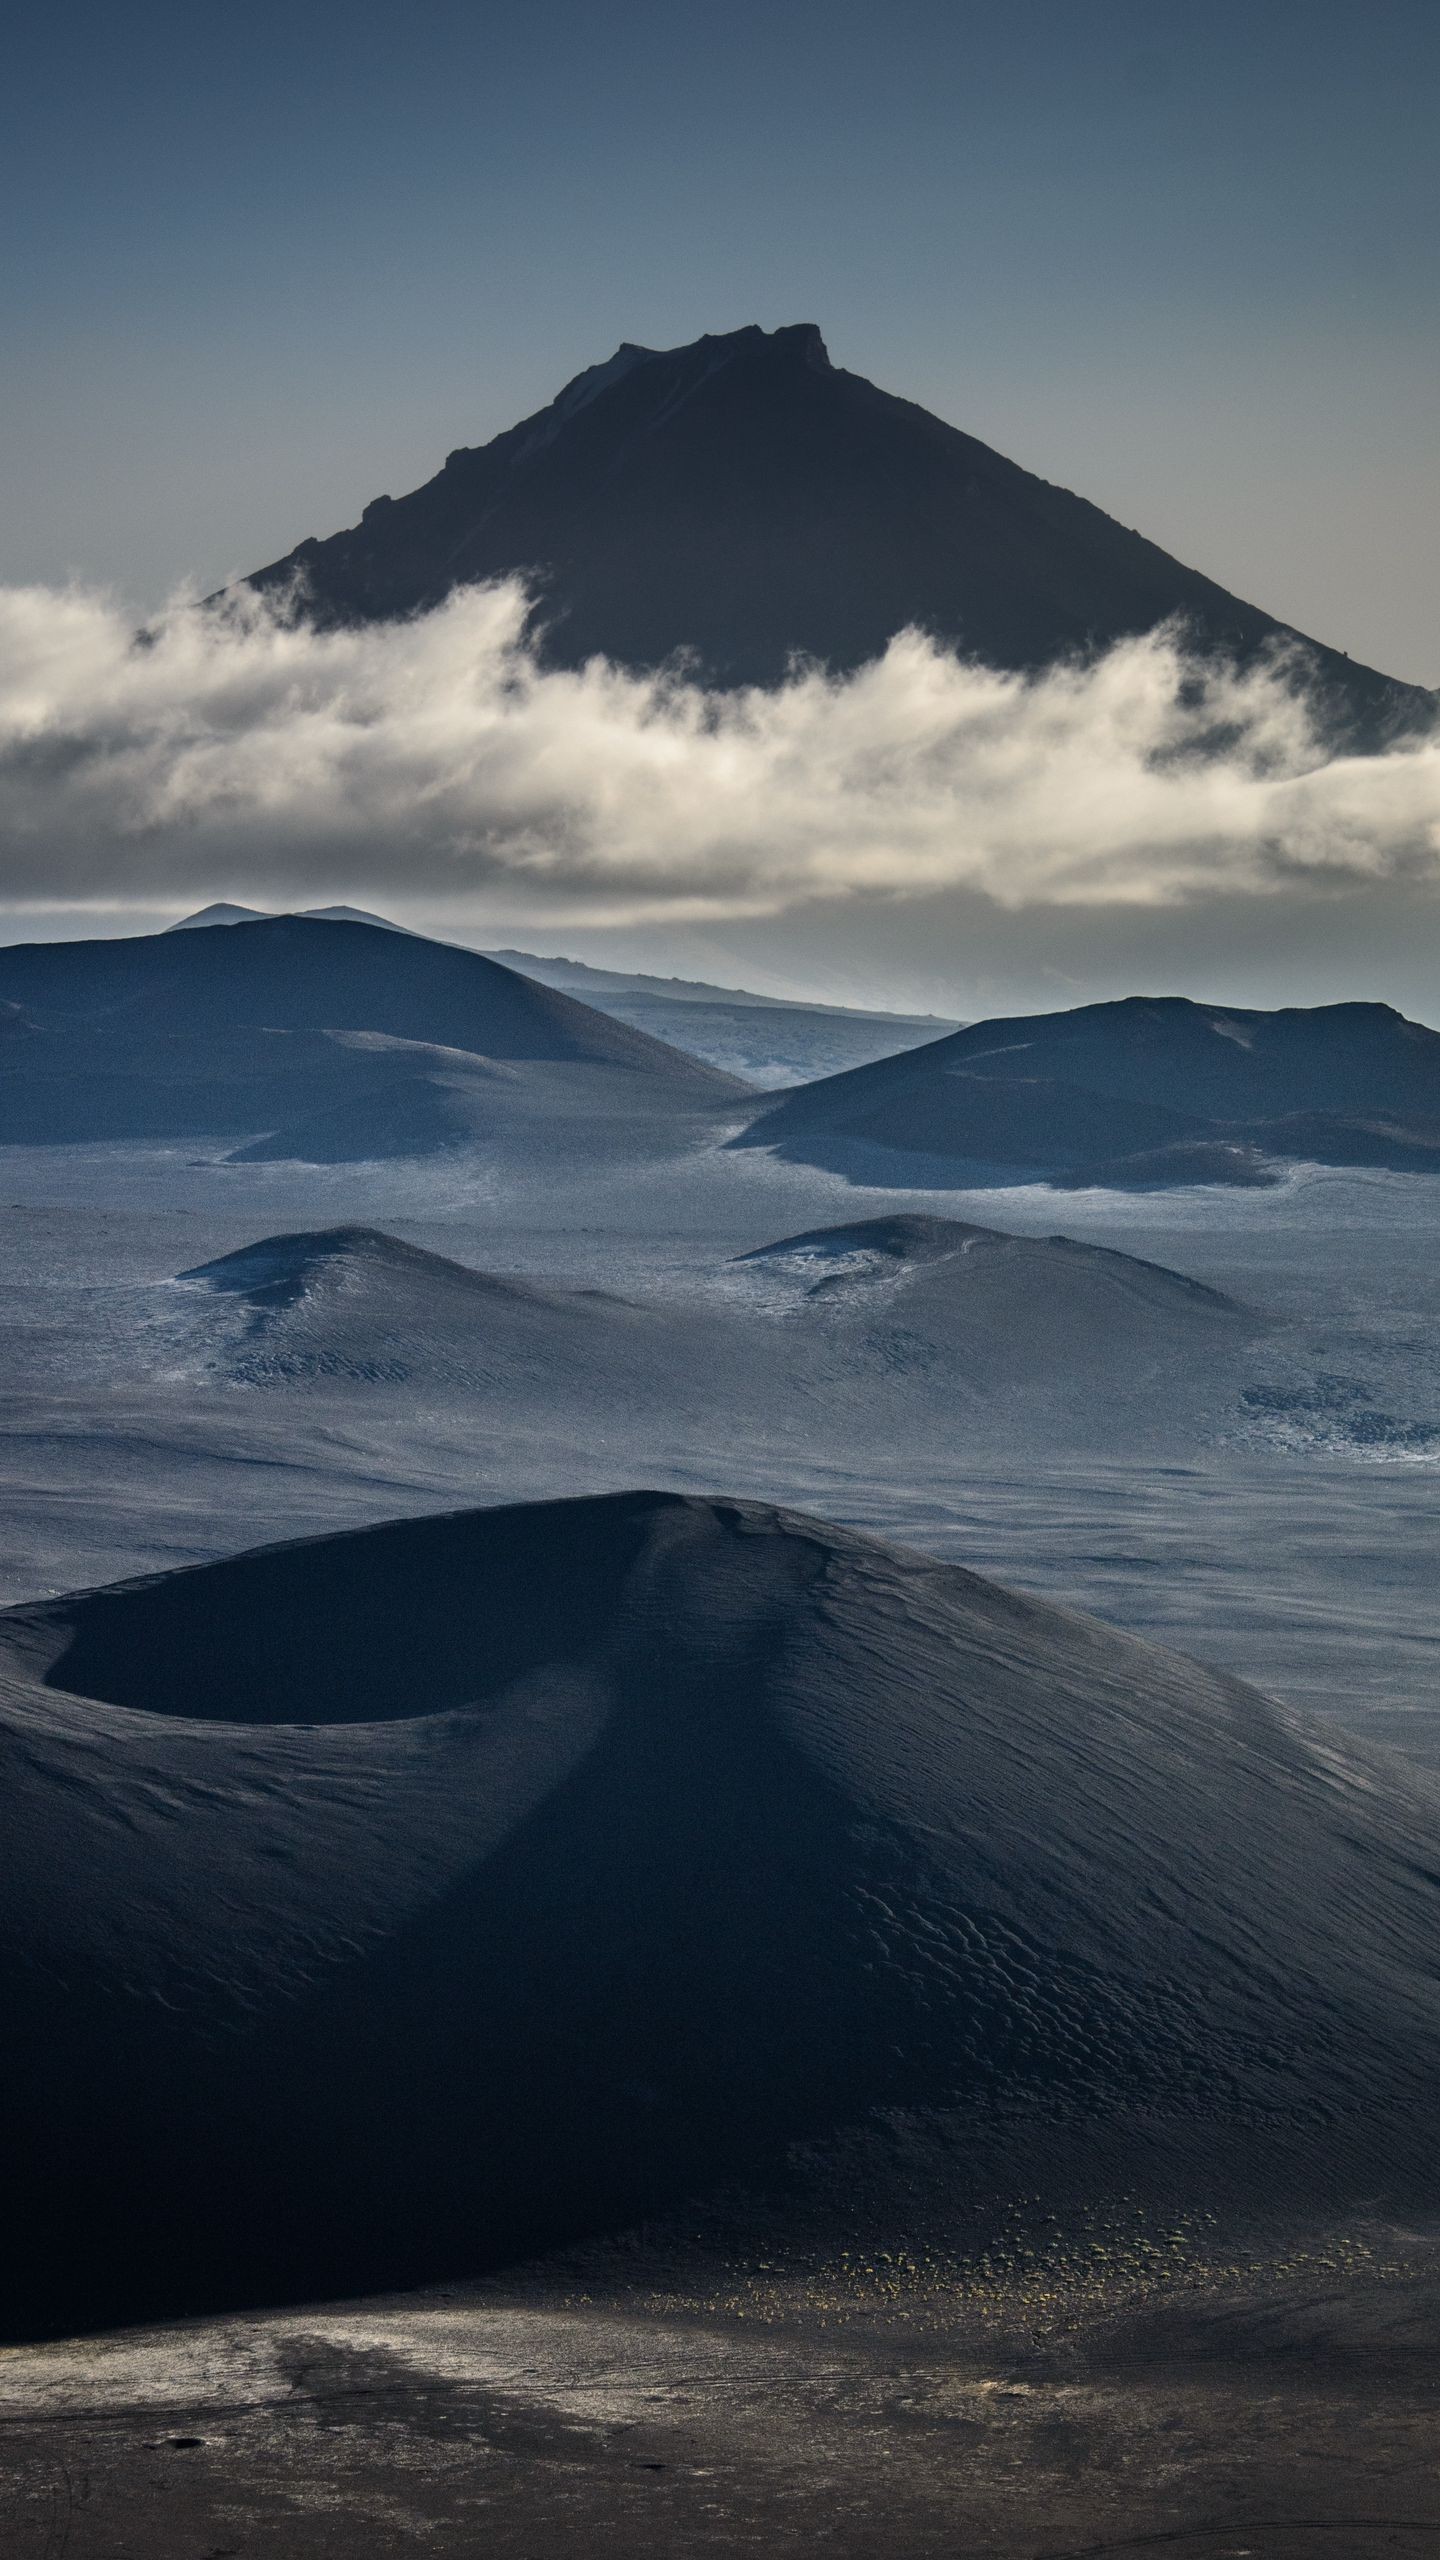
[743,501]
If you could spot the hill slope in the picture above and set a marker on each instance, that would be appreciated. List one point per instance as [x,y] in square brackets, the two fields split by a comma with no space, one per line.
[295,973]
[334,1039]
[409,1900]
[1146,1091]
[745,500]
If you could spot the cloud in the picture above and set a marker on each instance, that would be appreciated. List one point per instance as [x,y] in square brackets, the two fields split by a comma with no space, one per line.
[236,753]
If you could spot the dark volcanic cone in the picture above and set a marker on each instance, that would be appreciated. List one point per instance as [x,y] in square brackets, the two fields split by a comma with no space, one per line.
[404,1901]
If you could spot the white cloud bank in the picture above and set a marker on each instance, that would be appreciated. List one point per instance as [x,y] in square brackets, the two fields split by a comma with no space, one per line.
[234,755]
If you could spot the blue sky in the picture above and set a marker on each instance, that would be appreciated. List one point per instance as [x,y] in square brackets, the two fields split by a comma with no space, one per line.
[262,264]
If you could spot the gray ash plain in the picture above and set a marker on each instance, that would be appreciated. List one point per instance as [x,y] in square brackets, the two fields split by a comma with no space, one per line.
[1265,2407]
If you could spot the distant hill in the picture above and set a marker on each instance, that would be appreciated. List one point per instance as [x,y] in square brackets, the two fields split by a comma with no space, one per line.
[405,1903]
[771,1040]
[222,912]
[332,1041]
[743,501]
[849,1338]
[767,1040]
[583,978]
[1147,1092]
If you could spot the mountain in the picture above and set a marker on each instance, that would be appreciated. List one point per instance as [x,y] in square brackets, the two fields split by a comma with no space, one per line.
[412,1900]
[322,1040]
[1147,1092]
[583,978]
[743,501]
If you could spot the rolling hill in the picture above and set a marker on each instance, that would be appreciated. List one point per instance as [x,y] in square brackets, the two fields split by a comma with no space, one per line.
[881,1336]
[354,1307]
[317,1039]
[1143,1093]
[934,1326]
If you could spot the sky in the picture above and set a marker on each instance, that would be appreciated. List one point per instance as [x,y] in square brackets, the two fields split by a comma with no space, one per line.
[265,264]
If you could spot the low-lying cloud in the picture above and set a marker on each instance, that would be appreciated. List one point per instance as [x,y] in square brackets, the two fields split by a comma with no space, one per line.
[237,754]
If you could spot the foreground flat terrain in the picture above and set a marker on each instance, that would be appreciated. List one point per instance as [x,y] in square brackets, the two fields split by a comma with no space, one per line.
[1270,2410]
